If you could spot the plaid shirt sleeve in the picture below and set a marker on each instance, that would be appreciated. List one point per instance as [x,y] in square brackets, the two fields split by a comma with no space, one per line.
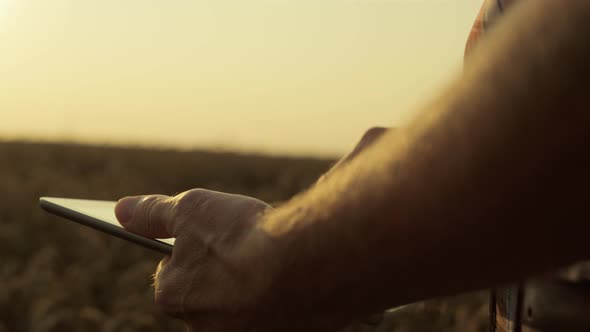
[488,15]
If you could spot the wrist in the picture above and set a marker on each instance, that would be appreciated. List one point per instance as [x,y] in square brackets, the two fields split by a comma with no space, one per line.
[301,278]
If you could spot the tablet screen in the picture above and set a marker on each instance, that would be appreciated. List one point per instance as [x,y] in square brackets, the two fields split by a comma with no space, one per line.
[100,215]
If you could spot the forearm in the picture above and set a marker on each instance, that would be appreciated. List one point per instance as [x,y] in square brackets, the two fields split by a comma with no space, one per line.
[447,203]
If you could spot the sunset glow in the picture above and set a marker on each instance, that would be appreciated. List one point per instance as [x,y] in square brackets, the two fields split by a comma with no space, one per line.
[290,76]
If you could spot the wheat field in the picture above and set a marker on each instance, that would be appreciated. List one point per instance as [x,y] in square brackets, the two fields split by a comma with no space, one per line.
[56,275]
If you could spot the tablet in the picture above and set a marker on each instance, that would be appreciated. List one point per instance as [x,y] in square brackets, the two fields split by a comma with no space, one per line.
[100,215]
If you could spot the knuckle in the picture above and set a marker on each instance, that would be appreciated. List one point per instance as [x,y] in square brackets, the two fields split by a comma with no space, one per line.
[190,198]
[188,201]
[185,205]
[148,211]
[147,205]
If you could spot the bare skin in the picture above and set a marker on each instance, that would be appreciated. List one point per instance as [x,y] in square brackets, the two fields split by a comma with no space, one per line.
[421,212]
[223,220]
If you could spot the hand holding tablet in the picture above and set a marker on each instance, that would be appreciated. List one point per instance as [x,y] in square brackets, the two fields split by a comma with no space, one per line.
[100,215]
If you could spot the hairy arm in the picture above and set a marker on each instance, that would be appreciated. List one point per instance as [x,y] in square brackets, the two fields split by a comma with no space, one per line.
[485,186]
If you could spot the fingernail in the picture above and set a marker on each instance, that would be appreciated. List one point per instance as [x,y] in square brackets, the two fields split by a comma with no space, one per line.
[125,208]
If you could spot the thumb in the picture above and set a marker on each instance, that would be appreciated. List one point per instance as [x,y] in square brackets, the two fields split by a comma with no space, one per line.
[150,216]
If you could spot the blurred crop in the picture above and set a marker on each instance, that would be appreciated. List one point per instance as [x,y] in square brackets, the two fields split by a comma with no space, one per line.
[56,275]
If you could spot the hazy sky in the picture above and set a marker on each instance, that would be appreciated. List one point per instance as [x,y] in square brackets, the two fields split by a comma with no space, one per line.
[287,76]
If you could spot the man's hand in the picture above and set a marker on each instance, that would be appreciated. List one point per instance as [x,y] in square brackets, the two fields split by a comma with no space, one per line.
[212,280]
[494,151]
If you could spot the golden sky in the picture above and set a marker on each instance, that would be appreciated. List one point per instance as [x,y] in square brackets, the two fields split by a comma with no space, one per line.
[281,76]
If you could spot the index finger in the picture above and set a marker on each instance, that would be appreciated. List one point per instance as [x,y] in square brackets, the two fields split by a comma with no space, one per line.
[150,216]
